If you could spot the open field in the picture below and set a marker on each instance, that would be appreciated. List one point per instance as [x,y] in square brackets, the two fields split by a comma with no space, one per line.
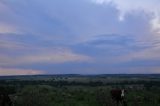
[81,90]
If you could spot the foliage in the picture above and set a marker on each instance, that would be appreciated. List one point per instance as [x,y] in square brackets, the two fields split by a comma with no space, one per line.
[34,96]
[81,91]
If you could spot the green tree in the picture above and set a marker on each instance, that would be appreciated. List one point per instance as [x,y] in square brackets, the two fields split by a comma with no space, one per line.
[35,96]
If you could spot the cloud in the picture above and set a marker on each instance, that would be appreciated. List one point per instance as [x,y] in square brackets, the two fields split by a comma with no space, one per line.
[13,71]
[55,57]
[4,28]
[10,46]
[42,55]
[128,6]
[78,35]
[77,19]
[145,54]
[47,18]
[9,43]
[6,25]
[136,70]
[3,8]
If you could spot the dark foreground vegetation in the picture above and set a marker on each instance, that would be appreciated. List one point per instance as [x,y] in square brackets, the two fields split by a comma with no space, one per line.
[78,90]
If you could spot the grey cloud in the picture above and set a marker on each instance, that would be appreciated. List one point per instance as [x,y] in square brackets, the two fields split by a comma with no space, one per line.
[88,30]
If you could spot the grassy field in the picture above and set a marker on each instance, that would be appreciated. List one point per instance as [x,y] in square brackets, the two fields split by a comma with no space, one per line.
[81,90]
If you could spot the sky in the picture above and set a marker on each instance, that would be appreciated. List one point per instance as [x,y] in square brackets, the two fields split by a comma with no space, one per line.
[79,37]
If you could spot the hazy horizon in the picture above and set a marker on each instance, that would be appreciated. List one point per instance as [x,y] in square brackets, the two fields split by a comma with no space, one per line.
[79,37]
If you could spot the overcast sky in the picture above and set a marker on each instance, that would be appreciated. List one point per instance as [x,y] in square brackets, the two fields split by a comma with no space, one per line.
[79,36]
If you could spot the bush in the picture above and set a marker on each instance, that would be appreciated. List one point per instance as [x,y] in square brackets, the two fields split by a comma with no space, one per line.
[35,96]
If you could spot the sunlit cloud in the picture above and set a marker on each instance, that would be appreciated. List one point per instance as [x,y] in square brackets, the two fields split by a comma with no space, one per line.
[15,71]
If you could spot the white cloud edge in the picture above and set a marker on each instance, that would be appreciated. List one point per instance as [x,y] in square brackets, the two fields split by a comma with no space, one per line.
[127,6]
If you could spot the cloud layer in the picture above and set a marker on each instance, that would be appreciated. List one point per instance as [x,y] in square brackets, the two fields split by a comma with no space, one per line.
[82,36]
